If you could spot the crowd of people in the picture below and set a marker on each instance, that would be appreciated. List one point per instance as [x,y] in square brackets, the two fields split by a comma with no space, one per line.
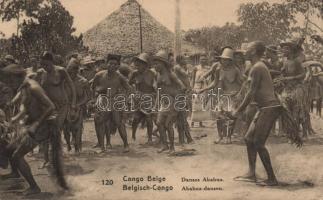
[267,86]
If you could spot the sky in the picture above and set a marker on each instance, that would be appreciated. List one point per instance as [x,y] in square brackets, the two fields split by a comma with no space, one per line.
[194,13]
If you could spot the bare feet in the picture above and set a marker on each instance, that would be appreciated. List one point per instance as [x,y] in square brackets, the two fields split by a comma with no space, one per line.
[268,183]
[228,141]
[77,153]
[246,178]
[218,141]
[164,148]
[9,176]
[191,141]
[32,191]
[150,142]
[171,151]
[126,149]
[44,165]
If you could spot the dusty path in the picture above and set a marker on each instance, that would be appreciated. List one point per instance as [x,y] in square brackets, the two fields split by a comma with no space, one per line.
[299,170]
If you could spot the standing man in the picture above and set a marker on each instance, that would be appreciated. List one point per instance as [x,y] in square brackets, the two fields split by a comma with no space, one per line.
[54,82]
[143,79]
[261,90]
[110,83]
[183,128]
[228,81]
[74,122]
[200,82]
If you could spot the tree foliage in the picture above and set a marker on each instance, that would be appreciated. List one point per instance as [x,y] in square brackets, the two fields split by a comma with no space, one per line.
[264,21]
[214,38]
[47,26]
[311,7]
[267,22]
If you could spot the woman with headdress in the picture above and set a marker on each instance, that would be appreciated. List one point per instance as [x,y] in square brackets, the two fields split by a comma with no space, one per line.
[294,95]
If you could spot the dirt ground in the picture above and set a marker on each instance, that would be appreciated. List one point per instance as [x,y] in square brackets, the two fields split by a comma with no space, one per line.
[300,171]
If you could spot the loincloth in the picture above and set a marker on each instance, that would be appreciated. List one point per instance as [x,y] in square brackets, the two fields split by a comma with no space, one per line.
[295,99]
[262,123]
[74,121]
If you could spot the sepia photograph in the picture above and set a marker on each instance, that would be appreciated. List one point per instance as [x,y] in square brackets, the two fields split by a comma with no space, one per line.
[161,99]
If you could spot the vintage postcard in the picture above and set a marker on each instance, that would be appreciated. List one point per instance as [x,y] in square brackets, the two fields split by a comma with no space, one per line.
[161,99]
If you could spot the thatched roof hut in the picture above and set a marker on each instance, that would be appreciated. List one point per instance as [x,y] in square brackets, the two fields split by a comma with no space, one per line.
[120,32]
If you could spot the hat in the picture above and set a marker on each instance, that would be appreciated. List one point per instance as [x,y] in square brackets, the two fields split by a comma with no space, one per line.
[73,63]
[9,57]
[87,60]
[162,56]
[47,56]
[144,57]
[114,57]
[13,69]
[239,52]
[226,47]
[227,54]
[99,59]
[294,42]
[272,48]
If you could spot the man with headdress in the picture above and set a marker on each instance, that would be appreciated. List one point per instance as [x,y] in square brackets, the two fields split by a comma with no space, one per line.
[74,120]
[227,83]
[143,80]
[39,125]
[261,91]
[107,84]
[170,86]
[182,125]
